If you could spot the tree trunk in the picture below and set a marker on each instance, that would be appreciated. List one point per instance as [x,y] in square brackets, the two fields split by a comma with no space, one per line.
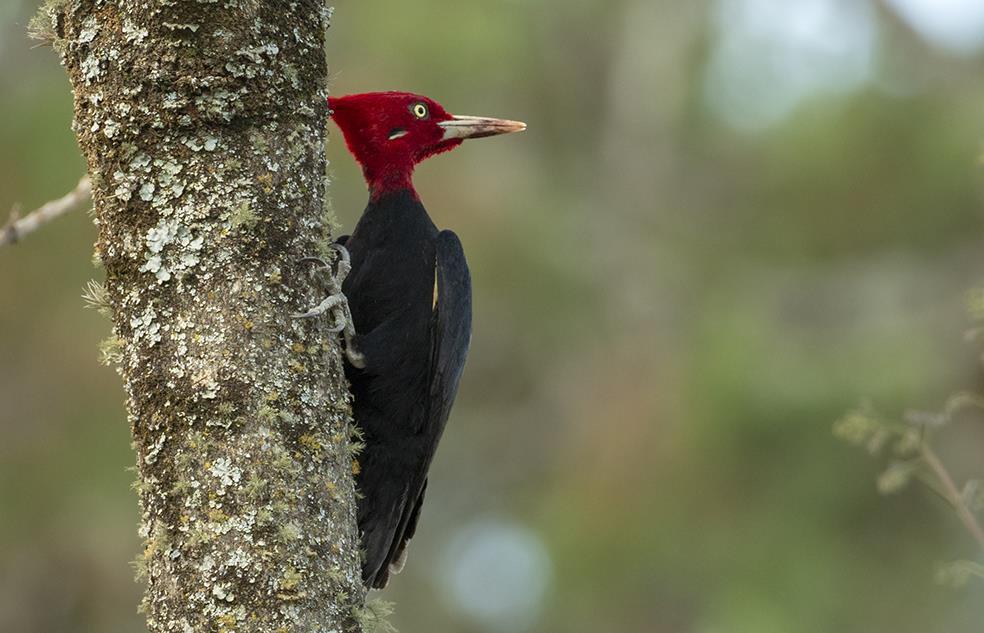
[203,123]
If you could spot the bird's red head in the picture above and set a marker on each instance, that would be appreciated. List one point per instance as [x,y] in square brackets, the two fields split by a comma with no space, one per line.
[390,132]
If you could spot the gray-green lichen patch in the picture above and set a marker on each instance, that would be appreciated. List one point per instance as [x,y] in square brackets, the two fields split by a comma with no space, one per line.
[203,123]
[173,250]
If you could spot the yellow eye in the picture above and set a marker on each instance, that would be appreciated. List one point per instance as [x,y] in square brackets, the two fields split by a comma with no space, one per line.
[419,110]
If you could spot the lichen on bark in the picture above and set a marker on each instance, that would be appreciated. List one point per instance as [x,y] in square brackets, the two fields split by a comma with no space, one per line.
[203,123]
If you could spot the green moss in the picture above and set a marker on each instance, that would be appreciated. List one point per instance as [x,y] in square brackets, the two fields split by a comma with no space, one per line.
[291,579]
[264,518]
[184,462]
[198,535]
[374,616]
[111,351]
[284,462]
[289,532]
[97,298]
[255,487]
[140,486]
[141,567]
[226,623]
[158,541]
[311,443]
[181,487]
[243,216]
[356,442]
[329,220]
[267,414]
[258,141]
[44,26]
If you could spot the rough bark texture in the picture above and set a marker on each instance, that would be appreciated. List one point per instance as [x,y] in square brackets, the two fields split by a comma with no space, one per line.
[203,122]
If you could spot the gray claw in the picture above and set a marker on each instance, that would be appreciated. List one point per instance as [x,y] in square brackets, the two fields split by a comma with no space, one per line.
[319,260]
[336,303]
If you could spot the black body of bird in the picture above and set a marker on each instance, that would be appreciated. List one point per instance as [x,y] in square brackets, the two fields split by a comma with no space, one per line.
[411,294]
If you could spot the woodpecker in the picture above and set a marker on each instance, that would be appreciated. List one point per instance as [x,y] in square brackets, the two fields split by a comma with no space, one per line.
[409,292]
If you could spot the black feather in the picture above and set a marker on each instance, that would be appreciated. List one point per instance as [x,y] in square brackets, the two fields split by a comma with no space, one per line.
[415,344]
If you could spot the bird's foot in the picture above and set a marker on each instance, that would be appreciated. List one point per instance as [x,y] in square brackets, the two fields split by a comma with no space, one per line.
[336,304]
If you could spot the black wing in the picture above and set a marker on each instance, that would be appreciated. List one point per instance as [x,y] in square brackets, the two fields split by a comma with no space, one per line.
[451,335]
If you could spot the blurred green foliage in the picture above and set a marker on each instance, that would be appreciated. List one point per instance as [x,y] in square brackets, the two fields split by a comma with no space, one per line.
[669,313]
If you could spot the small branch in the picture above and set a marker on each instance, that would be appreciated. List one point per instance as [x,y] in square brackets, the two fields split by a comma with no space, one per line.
[953,494]
[17,228]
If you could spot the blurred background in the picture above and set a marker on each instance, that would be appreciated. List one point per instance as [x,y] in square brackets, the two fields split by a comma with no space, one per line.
[729,222]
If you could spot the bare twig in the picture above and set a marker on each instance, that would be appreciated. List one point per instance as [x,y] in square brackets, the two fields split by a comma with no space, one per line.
[17,228]
[953,494]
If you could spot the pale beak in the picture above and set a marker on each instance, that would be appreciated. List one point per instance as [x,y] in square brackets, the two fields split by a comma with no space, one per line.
[478,127]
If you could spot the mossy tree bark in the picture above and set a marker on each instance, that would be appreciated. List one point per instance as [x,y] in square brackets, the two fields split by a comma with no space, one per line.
[203,123]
